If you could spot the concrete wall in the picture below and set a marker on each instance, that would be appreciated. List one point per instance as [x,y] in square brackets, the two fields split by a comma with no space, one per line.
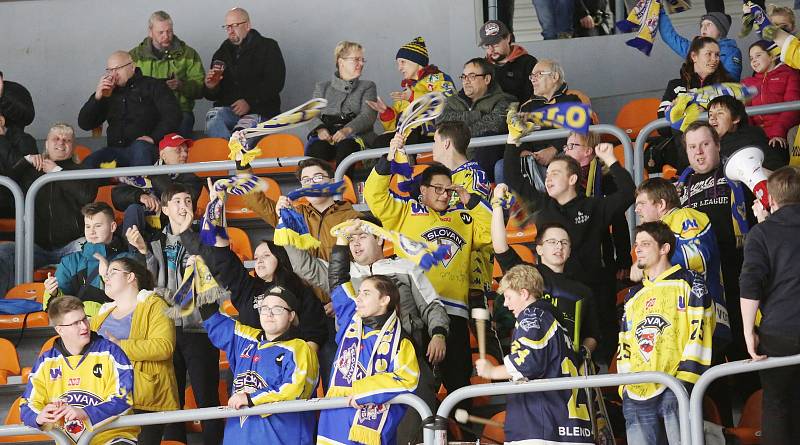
[58,48]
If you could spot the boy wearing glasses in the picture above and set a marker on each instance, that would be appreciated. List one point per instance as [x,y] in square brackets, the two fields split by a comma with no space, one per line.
[271,364]
[321,214]
[80,383]
[78,273]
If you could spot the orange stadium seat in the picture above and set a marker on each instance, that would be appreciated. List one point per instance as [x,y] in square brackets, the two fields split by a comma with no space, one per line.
[235,207]
[80,152]
[494,434]
[425,158]
[13,418]
[349,194]
[523,251]
[280,145]
[27,291]
[104,195]
[229,308]
[7,225]
[748,431]
[240,243]
[32,320]
[636,114]
[202,202]
[517,233]
[9,361]
[209,149]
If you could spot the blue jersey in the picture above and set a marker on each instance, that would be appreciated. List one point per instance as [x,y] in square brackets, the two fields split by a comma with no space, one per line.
[541,349]
[373,391]
[269,371]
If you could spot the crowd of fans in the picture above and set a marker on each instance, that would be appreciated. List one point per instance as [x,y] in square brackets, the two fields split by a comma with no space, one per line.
[705,259]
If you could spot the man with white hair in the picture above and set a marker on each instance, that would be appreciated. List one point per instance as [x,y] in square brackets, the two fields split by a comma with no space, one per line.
[245,79]
[162,55]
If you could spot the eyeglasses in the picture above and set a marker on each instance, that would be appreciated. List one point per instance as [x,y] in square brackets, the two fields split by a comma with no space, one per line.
[116,68]
[552,242]
[76,323]
[471,76]
[316,179]
[273,310]
[233,25]
[354,59]
[113,271]
[438,189]
[536,74]
[572,146]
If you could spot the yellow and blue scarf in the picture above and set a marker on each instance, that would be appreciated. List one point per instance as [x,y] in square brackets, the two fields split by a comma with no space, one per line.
[756,17]
[369,419]
[400,165]
[574,116]
[243,154]
[425,108]
[197,288]
[214,223]
[292,229]
[644,19]
[504,202]
[688,106]
[423,253]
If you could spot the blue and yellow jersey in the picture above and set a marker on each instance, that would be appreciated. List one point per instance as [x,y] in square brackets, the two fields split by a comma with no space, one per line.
[370,391]
[696,249]
[541,349]
[99,380]
[470,176]
[461,229]
[269,371]
[433,81]
[666,328]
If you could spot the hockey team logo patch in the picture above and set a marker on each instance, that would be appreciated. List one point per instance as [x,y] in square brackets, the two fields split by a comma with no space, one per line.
[647,332]
[446,237]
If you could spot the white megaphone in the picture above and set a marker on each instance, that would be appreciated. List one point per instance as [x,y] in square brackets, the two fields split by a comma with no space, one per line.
[744,165]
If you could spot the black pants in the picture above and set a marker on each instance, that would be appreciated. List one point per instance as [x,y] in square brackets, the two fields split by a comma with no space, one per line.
[780,416]
[456,368]
[195,353]
[333,152]
[486,157]
[149,434]
[719,5]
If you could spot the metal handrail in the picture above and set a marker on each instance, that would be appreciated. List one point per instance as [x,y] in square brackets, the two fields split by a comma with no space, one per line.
[638,152]
[500,140]
[71,175]
[19,206]
[726,369]
[595,381]
[23,430]
[269,408]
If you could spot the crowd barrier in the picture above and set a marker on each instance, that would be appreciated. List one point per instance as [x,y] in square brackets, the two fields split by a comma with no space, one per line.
[19,205]
[500,140]
[101,173]
[638,150]
[726,369]
[594,381]
[21,430]
[269,408]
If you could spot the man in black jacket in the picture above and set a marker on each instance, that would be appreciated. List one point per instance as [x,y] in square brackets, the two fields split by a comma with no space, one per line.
[512,63]
[16,104]
[139,110]
[585,218]
[57,217]
[770,281]
[245,79]
[14,145]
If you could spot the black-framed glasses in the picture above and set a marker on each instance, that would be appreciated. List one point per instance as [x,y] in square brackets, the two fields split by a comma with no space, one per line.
[116,68]
[471,76]
[233,25]
[438,189]
[552,242]
[273,310]
[316,179]
[76,323]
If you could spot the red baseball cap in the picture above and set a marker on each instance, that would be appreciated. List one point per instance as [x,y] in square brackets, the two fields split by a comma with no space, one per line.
[173,140]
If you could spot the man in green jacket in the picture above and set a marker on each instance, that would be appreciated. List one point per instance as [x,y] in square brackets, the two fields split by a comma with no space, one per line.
[164,56]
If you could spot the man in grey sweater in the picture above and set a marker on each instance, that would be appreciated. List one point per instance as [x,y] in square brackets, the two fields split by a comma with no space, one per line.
[482,106]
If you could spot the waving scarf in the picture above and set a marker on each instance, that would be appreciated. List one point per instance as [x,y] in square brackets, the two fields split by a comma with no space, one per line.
[197,288]
[318,190]
[241,152]
[369,419]
[688,106]
[644,19]
[213,223]
[504,202]
[292,229]
[425,108]
[423,253]
[756,17]
[574,116]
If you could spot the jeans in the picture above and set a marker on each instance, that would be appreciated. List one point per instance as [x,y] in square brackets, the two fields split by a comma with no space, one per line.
[555,17]
[653,421]
[780,415]
[499,177]
[138,153]
[221,121]
[186,127]
[41,258]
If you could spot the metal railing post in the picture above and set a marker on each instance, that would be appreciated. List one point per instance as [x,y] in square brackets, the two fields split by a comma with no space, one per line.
[595,381]
[23,430]
[72,175]
[500,140]
[19,206]
[726,369]
[222,412]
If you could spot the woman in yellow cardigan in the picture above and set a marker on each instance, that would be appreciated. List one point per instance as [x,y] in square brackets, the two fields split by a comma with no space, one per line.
[135,320]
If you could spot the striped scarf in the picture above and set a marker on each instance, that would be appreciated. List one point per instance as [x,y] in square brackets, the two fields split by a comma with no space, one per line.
[197,289]
[214,223]
[292,229]
[688,106]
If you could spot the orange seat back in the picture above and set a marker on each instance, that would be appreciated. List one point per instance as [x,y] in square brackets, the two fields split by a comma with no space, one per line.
[80,152]
[279,145]
[9,361]
[27,291]
[104,195]
[748,432]
[492,433]
[524,252]
[209,149]
[13,418]
[236,208]
[349,194]
[202,202]
[240,243]
[634,115]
